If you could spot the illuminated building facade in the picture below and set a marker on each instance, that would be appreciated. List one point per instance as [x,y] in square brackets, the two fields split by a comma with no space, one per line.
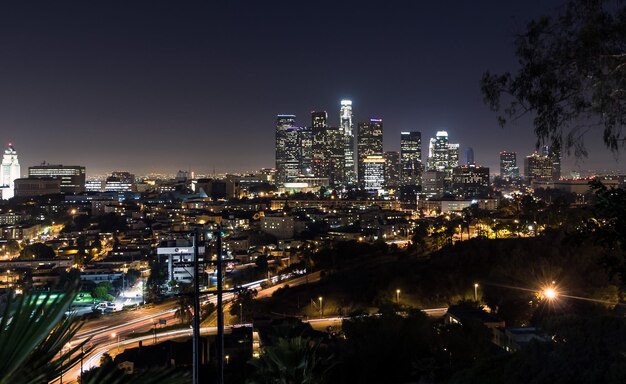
[283,123]
[392,169]
[9,172]
[538,167]
[411,158]
[328,150]
[470,181]
[554,154]
[72,177]
[508,165]
[120,182]
[433,183]
[370,143]
[373,173]
[347,129]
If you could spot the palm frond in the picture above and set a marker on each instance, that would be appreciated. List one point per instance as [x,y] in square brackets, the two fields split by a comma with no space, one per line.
[28,324]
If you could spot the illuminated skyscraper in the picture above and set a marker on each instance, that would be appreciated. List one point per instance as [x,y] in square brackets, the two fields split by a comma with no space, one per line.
[442,156]
[9,173]
[392,169]
[453,157]
[373,173]
[538,167]
[305,145]
[554,153]
[438,153]
[319,119]
[283,122]
[508,165]
[327,150]
[370,143]
[411,158]
[292,154]
[347,128]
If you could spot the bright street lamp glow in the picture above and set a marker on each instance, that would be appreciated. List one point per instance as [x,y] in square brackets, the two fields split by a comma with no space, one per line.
[550,293]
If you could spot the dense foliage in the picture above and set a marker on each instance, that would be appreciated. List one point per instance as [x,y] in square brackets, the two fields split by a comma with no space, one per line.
[572,75]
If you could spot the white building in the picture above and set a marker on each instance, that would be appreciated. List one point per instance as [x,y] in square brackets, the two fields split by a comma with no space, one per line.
[9,173]
[374,173]
[179,259]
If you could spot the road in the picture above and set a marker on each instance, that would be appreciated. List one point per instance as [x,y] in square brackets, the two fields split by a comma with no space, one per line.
[112,346]
[107,330]
[119,328]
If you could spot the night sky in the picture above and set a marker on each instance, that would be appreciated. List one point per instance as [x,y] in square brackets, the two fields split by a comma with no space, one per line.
[155,86]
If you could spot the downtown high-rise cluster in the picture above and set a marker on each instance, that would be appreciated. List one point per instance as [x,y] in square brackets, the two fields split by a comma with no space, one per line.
[337,156]
[340,157]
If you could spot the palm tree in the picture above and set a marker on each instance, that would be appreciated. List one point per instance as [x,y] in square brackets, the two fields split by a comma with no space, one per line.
[183,311]
[293,360]
[35,340]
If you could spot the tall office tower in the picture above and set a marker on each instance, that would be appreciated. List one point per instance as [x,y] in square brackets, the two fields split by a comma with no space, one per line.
[538,167]
[453,157]
[392,169]
[328,155]
[319,119]
[554,153]
[347,128]
[469,156]
[291,159]
[72,177]
[373,173]
[305,145]
[411,158]
[438,152]
[9,173]
[283,122]
[318,148]
[442,156]
[327,150]
[370,143]
[508,165]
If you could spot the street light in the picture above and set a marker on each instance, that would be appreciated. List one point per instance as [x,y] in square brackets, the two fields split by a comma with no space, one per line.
[321,306]
[550,293]
[227,359]
[398,296]
[240,313]
[113,335]
[475,291]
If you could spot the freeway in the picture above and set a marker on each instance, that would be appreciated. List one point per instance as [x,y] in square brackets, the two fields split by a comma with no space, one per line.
[113,346]
[119,328]
[122,326]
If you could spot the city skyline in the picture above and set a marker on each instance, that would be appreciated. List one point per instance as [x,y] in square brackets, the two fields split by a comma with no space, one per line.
[133,77]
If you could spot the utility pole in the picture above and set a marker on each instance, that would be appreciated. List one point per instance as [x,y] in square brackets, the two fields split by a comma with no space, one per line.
[220,312]
[196,310]
[82,354]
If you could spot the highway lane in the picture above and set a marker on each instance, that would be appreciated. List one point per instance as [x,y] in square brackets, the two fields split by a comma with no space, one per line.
[105,331]
[124,324]
[113,347]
